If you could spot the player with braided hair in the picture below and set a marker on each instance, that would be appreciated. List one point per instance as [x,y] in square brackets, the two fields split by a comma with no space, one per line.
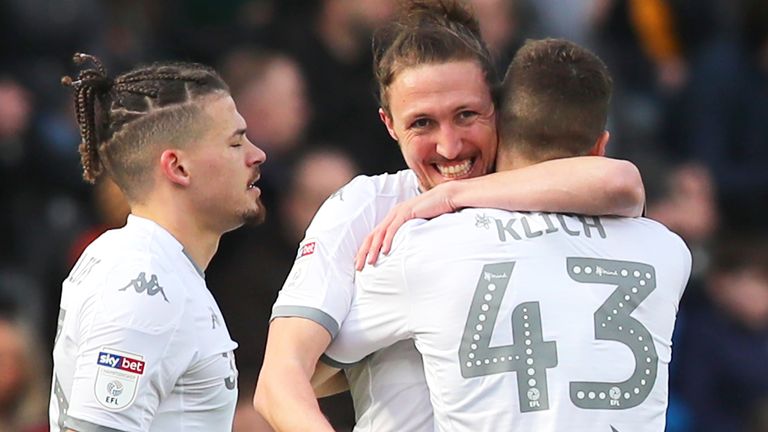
[141,343]
[437,91]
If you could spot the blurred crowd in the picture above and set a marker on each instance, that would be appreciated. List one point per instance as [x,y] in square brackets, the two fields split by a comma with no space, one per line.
[690,108]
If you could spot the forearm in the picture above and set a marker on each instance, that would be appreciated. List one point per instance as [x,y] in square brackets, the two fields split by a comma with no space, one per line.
[284,395]
[585,185]
[287,401]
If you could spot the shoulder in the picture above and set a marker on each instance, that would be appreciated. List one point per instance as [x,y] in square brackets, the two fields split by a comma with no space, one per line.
[650,235]
[143,291]
[659,232]
[366,189]
[450,228]
[365,198]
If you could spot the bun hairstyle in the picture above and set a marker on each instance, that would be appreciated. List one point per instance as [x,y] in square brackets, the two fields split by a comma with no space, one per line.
[429,32]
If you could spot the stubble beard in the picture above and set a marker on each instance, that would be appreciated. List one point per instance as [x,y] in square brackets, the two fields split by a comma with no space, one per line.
[254,217]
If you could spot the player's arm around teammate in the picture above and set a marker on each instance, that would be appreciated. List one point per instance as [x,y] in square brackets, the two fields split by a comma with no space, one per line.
[585,184]
[437,102]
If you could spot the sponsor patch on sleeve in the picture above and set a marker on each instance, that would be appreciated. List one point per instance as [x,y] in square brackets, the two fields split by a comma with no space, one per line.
[117,378]
[307,248]
[301,265]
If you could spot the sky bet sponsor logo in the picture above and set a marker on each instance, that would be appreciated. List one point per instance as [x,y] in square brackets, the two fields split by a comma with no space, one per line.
[121,362]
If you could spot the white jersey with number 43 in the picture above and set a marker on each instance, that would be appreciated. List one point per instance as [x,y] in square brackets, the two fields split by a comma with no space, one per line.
[529,321]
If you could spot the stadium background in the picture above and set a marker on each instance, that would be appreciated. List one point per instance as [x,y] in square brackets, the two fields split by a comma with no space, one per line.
[690,109]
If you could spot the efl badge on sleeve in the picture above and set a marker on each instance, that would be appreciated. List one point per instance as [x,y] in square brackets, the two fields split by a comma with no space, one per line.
[117,378]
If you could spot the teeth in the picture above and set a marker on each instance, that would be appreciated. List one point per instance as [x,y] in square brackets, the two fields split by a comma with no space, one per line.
[455,170]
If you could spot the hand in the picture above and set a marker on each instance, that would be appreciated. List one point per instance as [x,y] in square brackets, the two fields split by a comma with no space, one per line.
[430,204]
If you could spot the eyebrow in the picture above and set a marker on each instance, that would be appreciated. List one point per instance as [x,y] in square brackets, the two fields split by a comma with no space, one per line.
[239,132]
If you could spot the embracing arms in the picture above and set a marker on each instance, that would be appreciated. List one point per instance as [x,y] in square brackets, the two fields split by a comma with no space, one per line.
[592,185]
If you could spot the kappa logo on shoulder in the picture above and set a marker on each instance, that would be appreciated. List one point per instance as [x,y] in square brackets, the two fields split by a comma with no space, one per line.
[141,284]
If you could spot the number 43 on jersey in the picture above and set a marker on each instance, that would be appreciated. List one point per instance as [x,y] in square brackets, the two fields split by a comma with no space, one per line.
[530,356]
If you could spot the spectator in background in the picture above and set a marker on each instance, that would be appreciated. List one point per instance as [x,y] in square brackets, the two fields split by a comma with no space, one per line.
[111,211]
[500,26]
[722,377]
[686,203]
[334,50]
[15,117]
[316,176]
[23,393]
[270,91]
[642,46]
[682,197]
[725,116]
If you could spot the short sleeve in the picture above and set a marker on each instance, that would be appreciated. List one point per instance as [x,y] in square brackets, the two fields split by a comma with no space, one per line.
[320,284]
[130,353]
[379,316]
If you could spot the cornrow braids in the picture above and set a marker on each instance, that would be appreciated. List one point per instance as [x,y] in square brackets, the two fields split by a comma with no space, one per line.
[430,31]
[107,109]
[91,84]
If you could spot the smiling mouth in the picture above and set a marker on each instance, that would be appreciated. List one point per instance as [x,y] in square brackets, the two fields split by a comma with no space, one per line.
[455,169]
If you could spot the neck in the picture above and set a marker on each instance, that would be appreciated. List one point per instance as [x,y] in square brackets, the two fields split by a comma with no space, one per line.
[511,160]
[199,242]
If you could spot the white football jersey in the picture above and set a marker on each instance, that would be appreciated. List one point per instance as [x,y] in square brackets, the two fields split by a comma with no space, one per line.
[320,287]
[141,343]
[529,321]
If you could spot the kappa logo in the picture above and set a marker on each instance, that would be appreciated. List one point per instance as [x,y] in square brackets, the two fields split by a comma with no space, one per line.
[141,284]
[339,193]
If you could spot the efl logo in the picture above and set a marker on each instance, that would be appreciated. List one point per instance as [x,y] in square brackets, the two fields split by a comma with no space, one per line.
[121,362]
[307,249]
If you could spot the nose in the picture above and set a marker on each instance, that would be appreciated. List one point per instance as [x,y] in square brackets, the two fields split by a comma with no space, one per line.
[449,142]
[256,156]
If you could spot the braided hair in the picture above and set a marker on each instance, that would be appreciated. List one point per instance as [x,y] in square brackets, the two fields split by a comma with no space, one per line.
[117,117]
[430,31]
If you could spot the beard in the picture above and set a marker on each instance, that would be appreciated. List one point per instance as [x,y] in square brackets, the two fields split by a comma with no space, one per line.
[254,217]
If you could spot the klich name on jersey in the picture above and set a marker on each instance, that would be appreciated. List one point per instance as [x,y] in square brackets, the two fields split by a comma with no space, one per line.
[538,224]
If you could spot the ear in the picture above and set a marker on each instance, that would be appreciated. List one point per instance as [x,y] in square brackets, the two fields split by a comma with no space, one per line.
[172,167]
[387,120]
[599,148]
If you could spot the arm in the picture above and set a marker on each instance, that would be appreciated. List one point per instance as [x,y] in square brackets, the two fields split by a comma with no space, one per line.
[591,185]
[283,394]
